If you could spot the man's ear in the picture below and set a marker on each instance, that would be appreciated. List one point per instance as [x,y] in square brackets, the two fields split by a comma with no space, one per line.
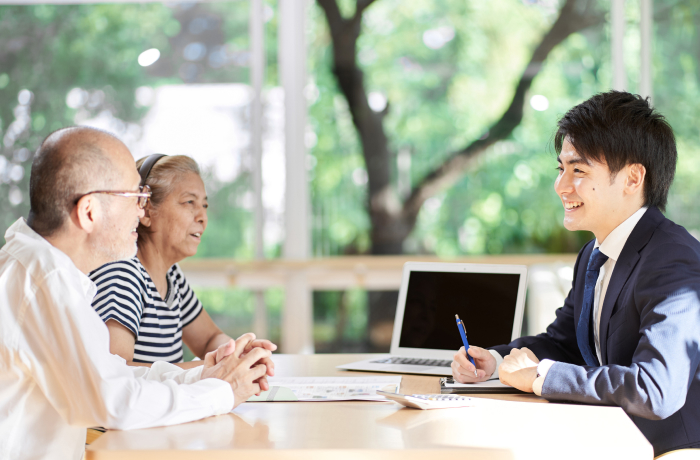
[86,213]
[635,178]
[146,219]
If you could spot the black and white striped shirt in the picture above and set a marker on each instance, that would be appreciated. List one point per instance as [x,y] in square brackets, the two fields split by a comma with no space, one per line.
[126,293]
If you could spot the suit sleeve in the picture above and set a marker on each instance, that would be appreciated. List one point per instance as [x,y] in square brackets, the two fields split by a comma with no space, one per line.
[558,343]
[666,357]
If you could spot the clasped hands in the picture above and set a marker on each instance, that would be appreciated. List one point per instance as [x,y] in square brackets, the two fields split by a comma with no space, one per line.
[518,369]
[244,363]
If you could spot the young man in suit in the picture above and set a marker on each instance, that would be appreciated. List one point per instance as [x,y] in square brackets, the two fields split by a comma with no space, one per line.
[629,331]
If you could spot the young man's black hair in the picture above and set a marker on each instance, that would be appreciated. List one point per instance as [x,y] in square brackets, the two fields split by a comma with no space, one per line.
[618,129]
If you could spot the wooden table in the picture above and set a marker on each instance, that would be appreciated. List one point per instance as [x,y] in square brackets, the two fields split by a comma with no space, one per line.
[520,429]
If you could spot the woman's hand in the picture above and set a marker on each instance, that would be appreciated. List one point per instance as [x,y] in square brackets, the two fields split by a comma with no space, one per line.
[245,372]
[250,343]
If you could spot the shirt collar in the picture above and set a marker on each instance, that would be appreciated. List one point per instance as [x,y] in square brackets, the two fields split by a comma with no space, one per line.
[613,244]
[20,227]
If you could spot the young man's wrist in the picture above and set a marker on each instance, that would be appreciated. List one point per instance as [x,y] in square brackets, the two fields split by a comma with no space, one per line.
[499,359]
[542,369]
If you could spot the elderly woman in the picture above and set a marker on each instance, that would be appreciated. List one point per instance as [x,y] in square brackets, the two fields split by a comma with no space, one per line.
[146,302]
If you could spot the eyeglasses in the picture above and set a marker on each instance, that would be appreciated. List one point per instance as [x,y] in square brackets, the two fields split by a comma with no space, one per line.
[143,195]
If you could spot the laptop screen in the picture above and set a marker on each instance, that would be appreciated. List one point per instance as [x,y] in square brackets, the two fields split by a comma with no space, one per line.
[486,302]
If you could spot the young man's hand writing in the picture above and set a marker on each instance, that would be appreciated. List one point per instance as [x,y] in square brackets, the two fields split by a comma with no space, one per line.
[463,370]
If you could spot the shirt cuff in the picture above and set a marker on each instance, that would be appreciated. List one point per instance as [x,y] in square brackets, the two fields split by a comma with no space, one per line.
[192,375]
[542,369]
[220,396]
[499,359]
[162,371]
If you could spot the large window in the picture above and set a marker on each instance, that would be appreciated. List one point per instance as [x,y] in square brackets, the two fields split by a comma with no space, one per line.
[437,78]
[441,74]
[164,78]
[676,70]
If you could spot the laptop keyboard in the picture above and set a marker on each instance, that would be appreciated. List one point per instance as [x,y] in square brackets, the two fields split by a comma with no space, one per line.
[415,361]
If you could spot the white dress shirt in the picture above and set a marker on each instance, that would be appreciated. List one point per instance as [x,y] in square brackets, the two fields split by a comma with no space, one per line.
[57,376]
[612,247]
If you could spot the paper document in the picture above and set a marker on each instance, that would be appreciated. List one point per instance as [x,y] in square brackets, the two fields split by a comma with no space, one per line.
[328,388]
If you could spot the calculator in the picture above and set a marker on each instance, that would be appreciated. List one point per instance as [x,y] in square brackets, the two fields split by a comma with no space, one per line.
[428,401]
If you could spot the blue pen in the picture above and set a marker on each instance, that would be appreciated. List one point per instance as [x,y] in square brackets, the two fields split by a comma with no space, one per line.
[463,333]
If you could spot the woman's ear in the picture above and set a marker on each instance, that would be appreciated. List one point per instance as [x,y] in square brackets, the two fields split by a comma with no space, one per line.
[146,219]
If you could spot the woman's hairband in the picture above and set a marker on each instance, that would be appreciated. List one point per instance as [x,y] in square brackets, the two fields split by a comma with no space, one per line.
[147,165]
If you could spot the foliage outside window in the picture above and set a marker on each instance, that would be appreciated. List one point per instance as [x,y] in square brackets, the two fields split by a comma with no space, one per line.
[439,74]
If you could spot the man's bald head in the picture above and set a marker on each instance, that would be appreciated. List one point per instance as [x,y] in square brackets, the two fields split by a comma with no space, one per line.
[70,162]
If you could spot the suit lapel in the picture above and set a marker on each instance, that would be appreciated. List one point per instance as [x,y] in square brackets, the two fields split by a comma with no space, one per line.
[623,269]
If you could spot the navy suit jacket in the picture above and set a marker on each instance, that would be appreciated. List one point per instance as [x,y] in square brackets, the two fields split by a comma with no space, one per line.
[649,336]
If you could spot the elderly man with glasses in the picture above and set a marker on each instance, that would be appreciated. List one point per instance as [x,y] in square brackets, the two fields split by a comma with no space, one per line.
[57,376]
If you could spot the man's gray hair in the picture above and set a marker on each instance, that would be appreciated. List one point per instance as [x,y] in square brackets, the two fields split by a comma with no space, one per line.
[68,164]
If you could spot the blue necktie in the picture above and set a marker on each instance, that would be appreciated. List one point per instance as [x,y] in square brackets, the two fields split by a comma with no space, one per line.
[582,330]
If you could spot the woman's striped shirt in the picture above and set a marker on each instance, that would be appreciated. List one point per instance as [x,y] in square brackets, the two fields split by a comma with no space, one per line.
[126,293]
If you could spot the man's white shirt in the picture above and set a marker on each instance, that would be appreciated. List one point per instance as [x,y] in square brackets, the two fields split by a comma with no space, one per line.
[57,376]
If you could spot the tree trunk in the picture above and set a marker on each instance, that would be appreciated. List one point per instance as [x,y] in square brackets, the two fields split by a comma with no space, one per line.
[392,220]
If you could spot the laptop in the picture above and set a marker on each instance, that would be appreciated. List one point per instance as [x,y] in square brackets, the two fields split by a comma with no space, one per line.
[490,299]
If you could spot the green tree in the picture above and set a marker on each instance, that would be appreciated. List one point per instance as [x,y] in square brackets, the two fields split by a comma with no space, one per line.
[62,64]
[49,50]
[392,219]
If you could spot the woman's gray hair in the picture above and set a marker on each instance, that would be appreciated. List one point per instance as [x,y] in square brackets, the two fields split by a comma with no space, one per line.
[165,173]
[164,176]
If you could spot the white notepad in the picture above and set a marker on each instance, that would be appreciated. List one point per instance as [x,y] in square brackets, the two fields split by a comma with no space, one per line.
[494,386]
[495,383]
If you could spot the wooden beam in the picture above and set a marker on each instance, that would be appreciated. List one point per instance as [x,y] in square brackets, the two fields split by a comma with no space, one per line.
[334,273]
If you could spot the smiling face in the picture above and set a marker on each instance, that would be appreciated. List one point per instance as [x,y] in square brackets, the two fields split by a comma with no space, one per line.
[593,200]
[177,225]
